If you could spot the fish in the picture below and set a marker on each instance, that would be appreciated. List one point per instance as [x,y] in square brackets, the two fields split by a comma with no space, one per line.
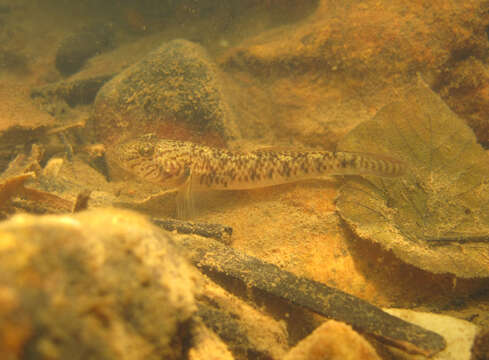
[188,167]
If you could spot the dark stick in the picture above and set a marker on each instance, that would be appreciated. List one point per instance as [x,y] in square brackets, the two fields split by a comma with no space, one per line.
[81,202]
[216,231]
[319,298]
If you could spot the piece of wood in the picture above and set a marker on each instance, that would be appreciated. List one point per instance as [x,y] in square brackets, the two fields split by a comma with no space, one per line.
[81,202]
[219,232]
[212,256]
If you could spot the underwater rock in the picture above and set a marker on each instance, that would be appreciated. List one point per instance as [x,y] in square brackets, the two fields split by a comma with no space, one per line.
[208,346]
[364,37]
[436,216]
[465,88]
[176,85]
[459,334]
[78,47]
[248,332]
[74,92]
[333,340]
[326,75]
[480,348]
[12,61]
[102,284]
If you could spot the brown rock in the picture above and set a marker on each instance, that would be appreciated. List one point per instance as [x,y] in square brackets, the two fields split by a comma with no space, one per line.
[104,284]
[364,37]
[74,92]
[465,88]
[480,348]
[208,346]
[248,332]
[333,341]
[78,47]
[329,73]
[175,89]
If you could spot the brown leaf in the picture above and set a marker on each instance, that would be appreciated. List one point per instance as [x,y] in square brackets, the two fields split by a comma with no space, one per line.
[436,216]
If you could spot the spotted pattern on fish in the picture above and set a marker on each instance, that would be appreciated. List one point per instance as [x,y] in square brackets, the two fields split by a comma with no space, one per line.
[172,163]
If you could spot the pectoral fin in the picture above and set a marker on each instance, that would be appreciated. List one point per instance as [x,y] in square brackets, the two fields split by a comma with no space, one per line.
[185,197]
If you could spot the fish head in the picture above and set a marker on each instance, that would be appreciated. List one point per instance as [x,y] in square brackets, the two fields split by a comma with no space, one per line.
[153,159]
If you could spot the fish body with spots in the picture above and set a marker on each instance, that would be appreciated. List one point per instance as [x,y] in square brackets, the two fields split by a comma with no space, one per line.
[190,167]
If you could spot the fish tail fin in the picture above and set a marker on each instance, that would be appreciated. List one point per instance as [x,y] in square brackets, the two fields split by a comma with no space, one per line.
[349,163]
[380,165]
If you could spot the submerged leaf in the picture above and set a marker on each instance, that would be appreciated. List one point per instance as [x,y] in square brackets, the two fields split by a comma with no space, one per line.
[436,216]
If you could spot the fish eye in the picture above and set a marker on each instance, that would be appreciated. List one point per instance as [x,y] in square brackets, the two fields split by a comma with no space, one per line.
[145,150]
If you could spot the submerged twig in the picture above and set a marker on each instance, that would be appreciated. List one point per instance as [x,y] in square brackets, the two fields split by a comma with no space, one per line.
[212,256]
[32,200]
[47,202]
[219,232]
[64,128]
[459,239]
[81,202]
[13,187]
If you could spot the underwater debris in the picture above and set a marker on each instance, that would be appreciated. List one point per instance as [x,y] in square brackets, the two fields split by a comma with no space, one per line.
[11,188]
[213,257]
[16,140]
[14,196]
[219,232]
[41,202]
[81,202]
[435,217]
[73,92]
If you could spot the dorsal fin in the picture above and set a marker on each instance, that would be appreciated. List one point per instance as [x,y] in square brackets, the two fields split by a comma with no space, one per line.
[282,148]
